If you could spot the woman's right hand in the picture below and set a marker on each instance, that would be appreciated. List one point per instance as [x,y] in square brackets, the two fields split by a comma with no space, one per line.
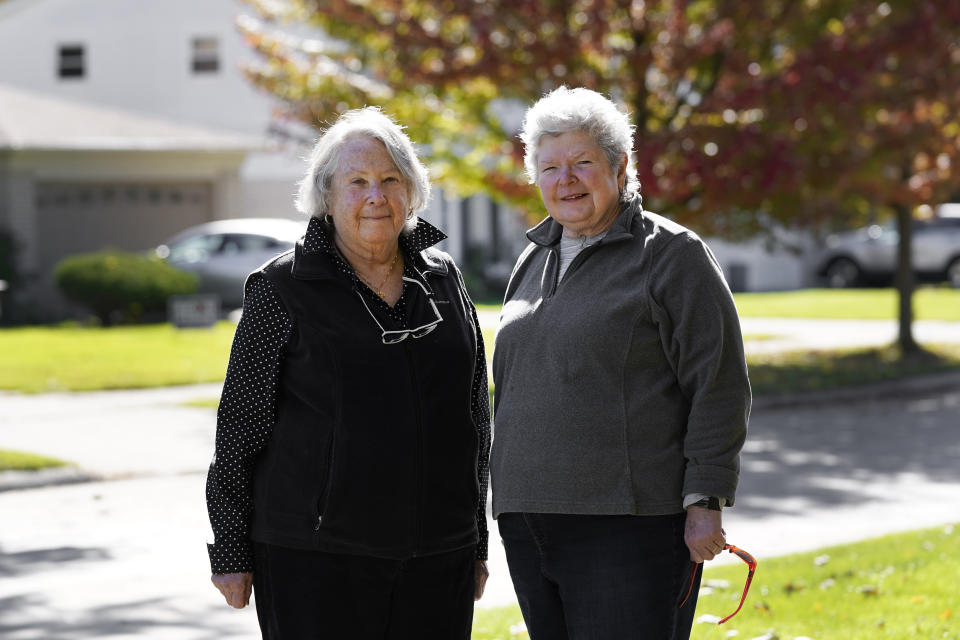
[235,587]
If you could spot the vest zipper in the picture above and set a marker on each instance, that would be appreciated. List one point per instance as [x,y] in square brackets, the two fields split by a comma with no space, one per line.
[419,454]
[324,497]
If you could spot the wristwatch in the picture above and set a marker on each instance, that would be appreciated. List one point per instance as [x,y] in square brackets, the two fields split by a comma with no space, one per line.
[712,503]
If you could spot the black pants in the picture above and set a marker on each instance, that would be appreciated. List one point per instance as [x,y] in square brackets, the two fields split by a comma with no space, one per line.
[581,577]
[302,595]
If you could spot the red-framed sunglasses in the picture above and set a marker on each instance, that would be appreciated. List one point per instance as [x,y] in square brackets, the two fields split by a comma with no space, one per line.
[751,565]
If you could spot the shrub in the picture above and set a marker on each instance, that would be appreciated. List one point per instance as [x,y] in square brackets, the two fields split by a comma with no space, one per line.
[116,285]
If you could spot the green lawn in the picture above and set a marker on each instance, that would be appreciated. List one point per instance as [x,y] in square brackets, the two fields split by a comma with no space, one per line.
[797,371]
[202,403]
[20,461]
[36,359]
[488,336]
[488,307]
[898,587]
[930,303]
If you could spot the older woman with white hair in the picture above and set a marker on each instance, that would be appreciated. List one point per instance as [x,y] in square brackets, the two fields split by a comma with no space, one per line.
[349,479]
[621,397]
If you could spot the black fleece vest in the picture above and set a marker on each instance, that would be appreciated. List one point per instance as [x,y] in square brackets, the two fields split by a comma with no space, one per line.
[374,450]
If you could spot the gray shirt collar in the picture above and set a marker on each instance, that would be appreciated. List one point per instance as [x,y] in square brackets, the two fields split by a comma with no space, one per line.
[548,232]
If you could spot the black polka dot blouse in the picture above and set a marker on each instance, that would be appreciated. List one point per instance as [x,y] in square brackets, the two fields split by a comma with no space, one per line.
[246,413]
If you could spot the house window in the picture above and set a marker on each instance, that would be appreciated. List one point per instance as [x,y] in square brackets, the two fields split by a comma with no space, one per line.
[71,61]
[205,57]
[737,277]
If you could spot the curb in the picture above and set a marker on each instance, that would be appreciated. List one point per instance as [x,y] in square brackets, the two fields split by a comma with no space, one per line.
[901,388]
[17,480]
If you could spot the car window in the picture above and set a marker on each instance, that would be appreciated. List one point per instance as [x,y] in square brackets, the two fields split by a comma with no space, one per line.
[196,248]
[243,242]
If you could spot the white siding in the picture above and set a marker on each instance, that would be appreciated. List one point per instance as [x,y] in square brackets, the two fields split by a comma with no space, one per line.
[753,266]
[138,56]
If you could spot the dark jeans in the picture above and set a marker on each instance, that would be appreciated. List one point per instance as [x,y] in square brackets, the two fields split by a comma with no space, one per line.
[600,577]
[302,595]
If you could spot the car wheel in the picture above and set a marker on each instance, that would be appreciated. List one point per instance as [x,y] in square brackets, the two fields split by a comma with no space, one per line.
[953,273]
[843,273]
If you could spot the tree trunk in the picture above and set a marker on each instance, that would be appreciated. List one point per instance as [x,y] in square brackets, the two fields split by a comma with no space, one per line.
[905,280]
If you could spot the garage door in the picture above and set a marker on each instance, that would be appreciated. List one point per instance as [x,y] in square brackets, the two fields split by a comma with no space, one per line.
[83,217]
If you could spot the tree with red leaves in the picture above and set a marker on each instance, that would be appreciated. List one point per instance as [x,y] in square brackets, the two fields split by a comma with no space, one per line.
[749,113]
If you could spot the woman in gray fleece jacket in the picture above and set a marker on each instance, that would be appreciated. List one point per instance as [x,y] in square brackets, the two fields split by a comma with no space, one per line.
[622,395]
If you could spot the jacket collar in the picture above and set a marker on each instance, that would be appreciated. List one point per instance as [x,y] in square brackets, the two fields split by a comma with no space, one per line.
[548,232]
[312,259]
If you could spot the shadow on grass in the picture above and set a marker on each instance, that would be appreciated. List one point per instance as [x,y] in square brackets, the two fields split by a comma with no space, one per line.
[798,371]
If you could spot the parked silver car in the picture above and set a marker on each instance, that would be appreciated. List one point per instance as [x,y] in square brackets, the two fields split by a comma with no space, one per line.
[869,255]
[222,253]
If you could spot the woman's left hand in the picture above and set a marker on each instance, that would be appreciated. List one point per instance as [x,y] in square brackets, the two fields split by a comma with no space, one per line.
[704,533]
[481,579]
[235,587]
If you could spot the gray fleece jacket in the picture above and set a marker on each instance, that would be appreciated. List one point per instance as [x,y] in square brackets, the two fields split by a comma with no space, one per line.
[623,387]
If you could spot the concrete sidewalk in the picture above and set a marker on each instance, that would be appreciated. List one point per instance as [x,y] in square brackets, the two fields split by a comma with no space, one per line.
[124,557]
[791,334]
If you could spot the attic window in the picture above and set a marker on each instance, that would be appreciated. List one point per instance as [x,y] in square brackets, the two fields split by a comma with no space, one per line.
[205,56]
[70,62]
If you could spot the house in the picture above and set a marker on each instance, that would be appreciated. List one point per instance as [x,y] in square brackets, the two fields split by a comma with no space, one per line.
[76,178]
[158,65]
[758,264]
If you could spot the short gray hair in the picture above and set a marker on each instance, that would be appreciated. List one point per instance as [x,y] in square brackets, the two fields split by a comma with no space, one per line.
[313,196]
[564,110]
